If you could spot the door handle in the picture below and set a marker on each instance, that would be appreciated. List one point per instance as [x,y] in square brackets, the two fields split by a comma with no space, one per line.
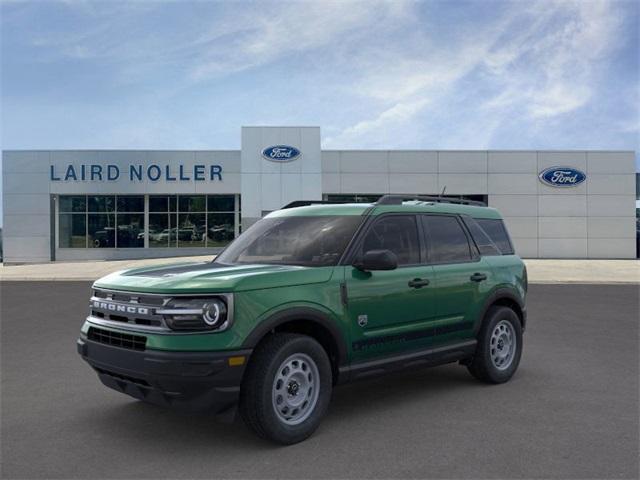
[478,277]
[418,283]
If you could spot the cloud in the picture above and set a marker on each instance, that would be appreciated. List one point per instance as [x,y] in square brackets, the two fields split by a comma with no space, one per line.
[261,37]
[398,113]
[229,38]
[395,74]
[539,60]
[550,68]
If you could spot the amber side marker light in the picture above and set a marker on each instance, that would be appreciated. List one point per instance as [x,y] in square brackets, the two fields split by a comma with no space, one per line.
[236,361]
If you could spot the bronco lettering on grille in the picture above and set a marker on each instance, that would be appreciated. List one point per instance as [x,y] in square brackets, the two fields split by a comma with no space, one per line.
[117,307]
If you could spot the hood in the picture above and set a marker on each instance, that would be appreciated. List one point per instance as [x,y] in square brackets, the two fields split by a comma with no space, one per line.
[211,278]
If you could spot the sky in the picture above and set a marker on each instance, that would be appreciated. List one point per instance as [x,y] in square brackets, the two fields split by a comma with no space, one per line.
[372,74]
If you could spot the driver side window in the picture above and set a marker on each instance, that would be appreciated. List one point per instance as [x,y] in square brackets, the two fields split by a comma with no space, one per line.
[397,233]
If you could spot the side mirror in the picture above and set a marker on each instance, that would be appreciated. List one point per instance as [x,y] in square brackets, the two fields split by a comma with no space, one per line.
[377,260]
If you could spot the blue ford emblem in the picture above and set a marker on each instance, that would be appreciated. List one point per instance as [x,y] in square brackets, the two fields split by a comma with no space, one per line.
[562,177]
[281,153]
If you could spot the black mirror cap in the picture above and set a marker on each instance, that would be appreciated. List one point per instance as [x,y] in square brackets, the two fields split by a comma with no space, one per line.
[377,260]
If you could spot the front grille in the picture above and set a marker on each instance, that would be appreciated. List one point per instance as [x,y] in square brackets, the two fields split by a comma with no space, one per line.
[126,297]
[129,308]
[121,318]
[117,339]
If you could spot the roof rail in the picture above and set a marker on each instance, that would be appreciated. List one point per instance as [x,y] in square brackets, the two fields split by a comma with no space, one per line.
[306,203]
[398,199]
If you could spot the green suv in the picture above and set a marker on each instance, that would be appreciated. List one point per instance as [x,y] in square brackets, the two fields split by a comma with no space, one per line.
[310,297]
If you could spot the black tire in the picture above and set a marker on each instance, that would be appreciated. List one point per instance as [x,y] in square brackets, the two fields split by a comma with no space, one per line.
[256,395]
[482,366]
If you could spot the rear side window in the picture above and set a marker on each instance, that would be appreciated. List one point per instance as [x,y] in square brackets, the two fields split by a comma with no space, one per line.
[498,233]
[480,237]
[447,241]
[397,233]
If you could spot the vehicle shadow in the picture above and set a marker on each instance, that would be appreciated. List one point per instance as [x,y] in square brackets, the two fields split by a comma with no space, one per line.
[400,389]
[202,432]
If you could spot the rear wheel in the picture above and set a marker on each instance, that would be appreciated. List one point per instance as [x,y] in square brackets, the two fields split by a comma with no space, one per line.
[499,346]
[286,389]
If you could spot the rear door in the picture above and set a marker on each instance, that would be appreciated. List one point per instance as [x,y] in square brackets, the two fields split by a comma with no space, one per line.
[461,276]
[388,309]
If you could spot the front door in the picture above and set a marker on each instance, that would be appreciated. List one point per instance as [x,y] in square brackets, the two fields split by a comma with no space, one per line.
[388,309]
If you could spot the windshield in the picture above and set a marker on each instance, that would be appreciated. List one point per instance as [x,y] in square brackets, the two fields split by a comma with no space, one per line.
[308,241]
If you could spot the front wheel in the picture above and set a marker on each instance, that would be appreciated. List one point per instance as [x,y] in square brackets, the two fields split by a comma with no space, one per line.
[499,346]
[287,388]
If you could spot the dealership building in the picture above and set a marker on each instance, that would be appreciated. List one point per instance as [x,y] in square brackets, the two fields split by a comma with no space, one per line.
[121,204]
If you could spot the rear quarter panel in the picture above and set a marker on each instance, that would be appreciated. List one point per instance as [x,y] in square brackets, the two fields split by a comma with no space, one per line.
[508,273]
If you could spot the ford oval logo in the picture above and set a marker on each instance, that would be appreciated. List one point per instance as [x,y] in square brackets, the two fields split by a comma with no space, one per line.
[562,177]
[281,153]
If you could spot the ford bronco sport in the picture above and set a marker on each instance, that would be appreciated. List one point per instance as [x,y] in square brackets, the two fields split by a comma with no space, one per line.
[310,297]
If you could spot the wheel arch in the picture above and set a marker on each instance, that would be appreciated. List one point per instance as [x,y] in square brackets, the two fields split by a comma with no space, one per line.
[307,321]
[507,298]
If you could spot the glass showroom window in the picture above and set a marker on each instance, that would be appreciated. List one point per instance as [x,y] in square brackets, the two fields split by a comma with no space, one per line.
[222,219]
[354,198]
[192,223]
[72,222]
[192,220]
[162,221]
[101,221]
[374,197]
[130,221]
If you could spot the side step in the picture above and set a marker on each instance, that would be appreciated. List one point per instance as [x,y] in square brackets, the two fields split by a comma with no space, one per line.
[423,358]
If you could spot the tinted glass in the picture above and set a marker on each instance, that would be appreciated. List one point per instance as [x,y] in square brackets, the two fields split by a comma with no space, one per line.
[131,203]
[102,203]
[130,230]
[72,228]
[396,233]
[158,203]
[480,237]
[73,203]
[353,198]
[220,229]
[220,203]
[102,231]
[118,221]
[192,203]
[447,241]
[309,241]
[159,232]
[173,229]
[191,230]
[498,233]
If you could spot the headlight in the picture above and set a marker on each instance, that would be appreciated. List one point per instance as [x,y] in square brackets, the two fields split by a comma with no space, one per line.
[196,314]
[214,313]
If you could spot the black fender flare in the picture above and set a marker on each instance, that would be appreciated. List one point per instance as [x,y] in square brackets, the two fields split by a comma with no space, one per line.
[299,313]
[500,294]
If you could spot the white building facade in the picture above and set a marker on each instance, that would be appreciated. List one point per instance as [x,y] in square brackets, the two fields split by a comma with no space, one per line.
[120,204]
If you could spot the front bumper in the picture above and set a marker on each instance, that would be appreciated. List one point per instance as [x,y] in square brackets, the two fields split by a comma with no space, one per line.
[189,380]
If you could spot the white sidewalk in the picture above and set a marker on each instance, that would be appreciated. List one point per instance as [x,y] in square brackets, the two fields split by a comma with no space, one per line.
[540,271]
[83,270]
[583,271]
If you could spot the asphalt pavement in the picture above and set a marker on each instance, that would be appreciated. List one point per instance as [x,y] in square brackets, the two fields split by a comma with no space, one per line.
[571,411]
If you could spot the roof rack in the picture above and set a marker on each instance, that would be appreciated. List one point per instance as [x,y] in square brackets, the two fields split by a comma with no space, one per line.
[306,203]
[398,199]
